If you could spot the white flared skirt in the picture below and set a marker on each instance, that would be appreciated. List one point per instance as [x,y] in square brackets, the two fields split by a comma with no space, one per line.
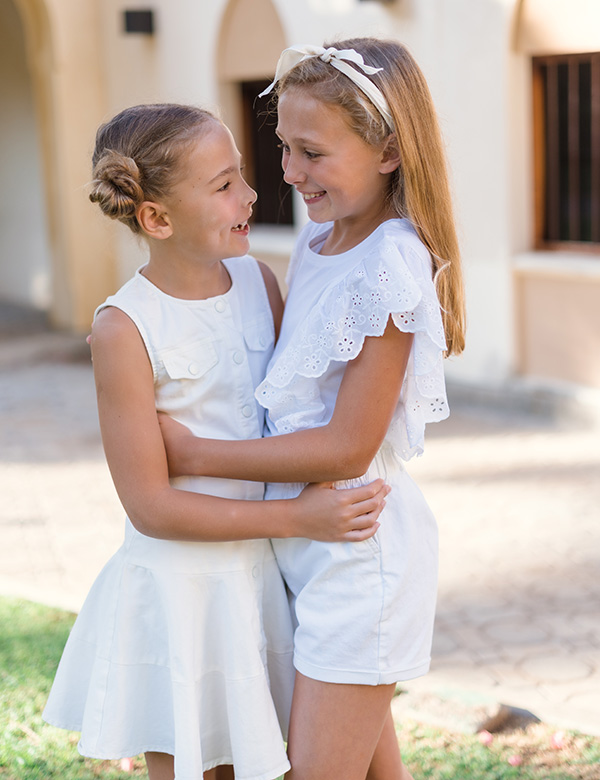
[183,648]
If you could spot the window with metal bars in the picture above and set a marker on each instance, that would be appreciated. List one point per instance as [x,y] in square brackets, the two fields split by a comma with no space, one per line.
[566,98]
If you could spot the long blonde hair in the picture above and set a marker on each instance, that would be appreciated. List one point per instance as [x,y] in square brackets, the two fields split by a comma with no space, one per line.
[419,188]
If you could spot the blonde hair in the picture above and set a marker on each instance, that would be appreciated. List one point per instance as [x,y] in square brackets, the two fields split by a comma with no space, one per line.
[419,188]
[137,155]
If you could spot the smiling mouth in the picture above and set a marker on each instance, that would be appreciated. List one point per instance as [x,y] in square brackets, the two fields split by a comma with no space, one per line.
[312,195]
[241,228]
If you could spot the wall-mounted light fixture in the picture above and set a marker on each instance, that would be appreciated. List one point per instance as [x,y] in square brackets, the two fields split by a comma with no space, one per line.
[139,22]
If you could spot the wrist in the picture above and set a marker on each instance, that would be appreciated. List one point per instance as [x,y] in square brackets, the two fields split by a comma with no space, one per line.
[190,461]
[286,514]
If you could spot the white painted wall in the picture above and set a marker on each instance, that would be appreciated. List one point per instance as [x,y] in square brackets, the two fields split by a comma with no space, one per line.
[24,256]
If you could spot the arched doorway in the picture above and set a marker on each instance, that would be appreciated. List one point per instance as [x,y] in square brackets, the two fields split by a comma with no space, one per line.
[25,262]
[250,42]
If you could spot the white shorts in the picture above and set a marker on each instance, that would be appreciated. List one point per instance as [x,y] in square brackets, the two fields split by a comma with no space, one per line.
[364,611]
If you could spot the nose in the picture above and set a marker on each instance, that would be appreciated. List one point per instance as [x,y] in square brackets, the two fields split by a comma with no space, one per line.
[251,194]
[292,170]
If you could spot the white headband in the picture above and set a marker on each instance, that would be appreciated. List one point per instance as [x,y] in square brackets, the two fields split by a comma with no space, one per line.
[339,59]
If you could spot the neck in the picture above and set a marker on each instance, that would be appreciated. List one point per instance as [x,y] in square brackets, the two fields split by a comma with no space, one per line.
[346,234]
[187,280]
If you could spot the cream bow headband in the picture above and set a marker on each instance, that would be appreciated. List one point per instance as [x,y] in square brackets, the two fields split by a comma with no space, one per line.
[339,58]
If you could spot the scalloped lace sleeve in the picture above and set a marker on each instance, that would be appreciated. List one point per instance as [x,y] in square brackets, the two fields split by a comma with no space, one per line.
[392,280]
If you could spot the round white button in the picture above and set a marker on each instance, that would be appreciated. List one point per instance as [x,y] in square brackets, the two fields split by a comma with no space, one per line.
[220,306]
[255,571]
[247,410]
[263,341]
[193,368]
[238,357]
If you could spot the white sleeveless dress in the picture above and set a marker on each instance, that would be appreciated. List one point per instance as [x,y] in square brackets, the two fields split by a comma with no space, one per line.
[364,611]
[186,647]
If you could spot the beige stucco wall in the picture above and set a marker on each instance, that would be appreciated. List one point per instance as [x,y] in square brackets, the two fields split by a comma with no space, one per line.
[557,319]
[66,72]
[24,257]
[557,27]
[560,318]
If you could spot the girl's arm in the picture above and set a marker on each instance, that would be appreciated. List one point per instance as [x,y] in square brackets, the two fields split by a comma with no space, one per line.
[342,449]
[137,460]
[274,293]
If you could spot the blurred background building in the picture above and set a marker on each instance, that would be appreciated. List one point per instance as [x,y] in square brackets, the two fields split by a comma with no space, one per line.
[517,87]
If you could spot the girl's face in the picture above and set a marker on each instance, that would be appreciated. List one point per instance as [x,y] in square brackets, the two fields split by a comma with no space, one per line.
[210,205]
[340,177]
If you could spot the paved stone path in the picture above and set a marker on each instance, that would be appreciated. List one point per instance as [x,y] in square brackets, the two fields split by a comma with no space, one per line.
[517,500]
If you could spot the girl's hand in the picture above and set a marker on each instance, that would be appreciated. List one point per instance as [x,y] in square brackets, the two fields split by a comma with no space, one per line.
[175,436]
[347,515]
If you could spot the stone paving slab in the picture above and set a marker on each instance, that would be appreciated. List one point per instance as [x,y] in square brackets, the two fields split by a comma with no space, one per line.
[517,498]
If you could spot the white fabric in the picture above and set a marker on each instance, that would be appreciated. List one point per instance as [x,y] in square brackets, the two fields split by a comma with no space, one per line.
[339,59]
[178,643]
[334,303]
[364,611]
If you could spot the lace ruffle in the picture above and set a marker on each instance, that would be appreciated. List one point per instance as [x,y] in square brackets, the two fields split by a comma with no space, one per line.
[393,279]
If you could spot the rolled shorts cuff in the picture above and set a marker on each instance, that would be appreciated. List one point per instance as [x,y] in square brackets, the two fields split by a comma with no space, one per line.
[357,676]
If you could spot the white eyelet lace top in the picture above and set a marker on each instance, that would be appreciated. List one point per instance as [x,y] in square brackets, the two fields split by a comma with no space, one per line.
[334,302]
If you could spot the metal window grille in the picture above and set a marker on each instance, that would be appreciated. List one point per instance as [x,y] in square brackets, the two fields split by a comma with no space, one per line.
[567,148]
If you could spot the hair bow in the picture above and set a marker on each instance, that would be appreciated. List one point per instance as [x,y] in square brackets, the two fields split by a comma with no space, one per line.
[338,58]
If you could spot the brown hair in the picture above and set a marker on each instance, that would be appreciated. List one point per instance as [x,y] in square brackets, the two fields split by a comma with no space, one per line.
[137,153]
[419,189]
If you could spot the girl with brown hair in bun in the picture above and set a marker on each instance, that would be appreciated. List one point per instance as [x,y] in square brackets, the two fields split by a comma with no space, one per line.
[182,650]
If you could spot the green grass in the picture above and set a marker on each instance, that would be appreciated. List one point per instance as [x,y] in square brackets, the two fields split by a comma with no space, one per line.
[31,642]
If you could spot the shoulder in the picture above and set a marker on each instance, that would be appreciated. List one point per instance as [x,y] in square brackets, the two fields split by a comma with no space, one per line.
[273,293]
[112,327]
[246,270]
[399,235]
[268,276]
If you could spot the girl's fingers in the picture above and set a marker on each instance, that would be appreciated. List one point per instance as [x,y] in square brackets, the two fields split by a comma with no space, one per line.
[361,534]
[368,505]
[376,490]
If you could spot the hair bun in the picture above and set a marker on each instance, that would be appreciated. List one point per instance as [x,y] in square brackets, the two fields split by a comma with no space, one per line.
[116,186]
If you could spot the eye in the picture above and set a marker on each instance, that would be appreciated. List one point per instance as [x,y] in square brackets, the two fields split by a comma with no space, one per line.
[225,187]
[284,147]
[311,155]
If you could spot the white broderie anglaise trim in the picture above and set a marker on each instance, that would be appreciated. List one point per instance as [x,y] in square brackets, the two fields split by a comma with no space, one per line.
[388,281]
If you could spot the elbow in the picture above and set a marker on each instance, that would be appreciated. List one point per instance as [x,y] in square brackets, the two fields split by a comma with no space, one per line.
[147,518]
[143,522]
[353,462]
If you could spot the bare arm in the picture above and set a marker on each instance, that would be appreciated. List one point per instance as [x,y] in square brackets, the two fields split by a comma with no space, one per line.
[274,293]
[342,449]
[138,464]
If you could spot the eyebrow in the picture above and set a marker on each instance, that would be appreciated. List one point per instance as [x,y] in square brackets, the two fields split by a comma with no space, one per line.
[304,141]
[226,172]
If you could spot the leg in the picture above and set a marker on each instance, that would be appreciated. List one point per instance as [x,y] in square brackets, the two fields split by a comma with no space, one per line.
[224,772]
[160,766]
[386,763]
[334,729]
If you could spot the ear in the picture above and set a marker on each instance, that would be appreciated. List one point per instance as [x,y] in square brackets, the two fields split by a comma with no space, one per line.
[154,220]
[390,156]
